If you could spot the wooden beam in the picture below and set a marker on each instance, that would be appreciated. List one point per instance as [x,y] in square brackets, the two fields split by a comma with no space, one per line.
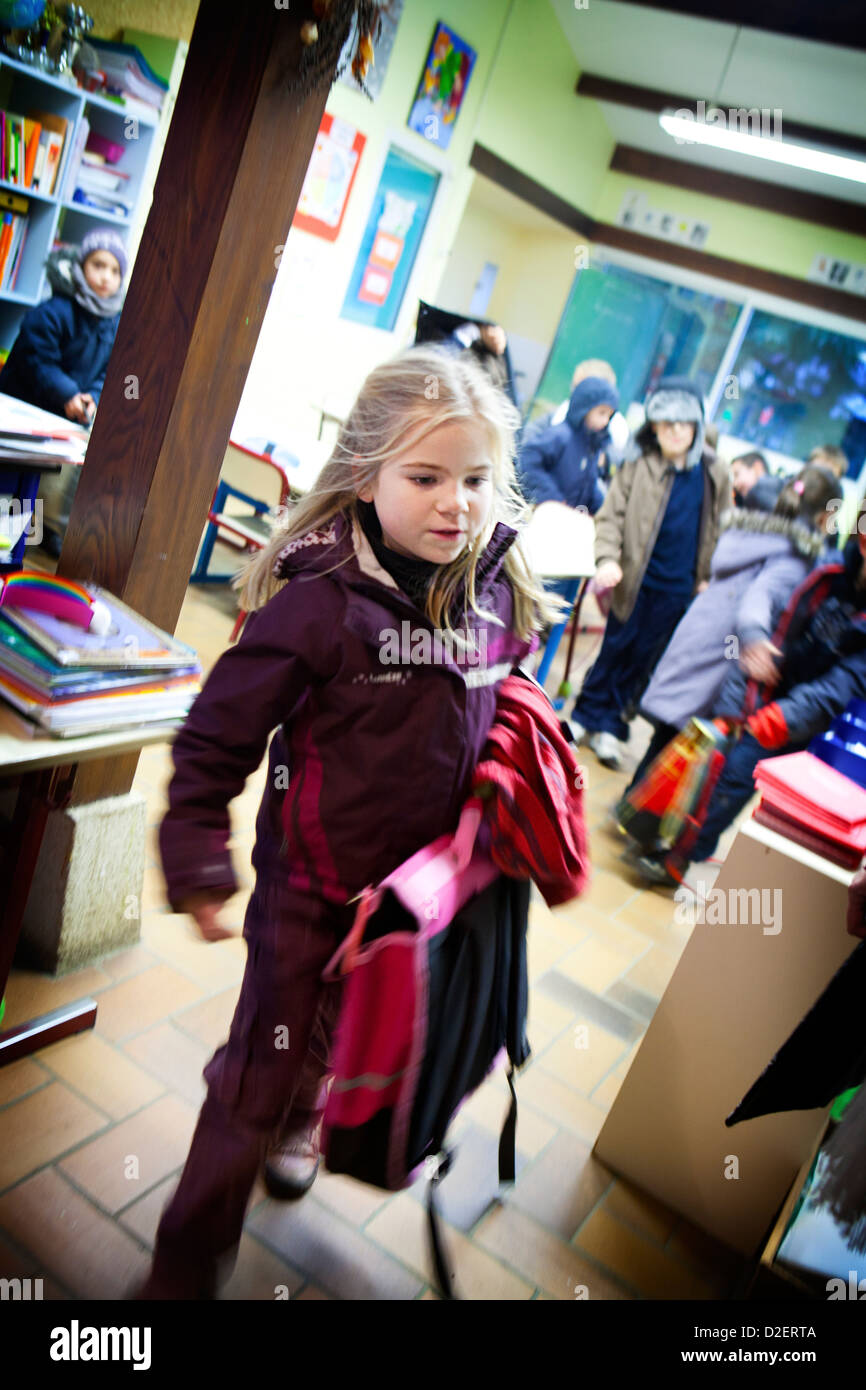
[840,23]
[485,162]
[654,101]
[231,174]
[817,296]
[756,193]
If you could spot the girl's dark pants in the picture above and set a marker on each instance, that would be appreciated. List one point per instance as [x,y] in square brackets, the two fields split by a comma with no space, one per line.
[265,1082]
[629,652]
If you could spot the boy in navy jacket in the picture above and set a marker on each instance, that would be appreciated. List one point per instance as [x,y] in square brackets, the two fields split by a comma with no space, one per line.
[560,463]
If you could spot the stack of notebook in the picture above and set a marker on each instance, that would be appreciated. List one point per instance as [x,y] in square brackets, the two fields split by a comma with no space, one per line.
[69,682]
[814,805]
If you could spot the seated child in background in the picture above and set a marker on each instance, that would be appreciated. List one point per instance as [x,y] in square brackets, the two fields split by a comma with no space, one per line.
[828,456]
[561,463]
[59,358]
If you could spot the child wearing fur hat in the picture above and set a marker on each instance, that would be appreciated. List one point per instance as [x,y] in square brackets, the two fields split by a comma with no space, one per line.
[59,358]
[655,536]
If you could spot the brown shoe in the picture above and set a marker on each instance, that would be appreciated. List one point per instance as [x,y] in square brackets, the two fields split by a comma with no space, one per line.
[292,1164]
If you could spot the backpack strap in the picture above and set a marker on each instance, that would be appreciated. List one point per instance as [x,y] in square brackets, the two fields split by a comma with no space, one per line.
[508,1137]
[441,1262]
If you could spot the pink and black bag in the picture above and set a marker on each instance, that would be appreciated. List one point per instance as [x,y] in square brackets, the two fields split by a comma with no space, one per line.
[435,993]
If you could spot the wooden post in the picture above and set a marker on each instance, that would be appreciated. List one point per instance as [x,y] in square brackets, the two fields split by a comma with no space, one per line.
[230,178]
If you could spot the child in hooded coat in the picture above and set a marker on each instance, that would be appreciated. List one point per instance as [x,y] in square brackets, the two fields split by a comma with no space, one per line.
[561,463]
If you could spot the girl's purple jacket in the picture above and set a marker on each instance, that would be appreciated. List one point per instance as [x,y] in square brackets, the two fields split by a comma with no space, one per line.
[372,757]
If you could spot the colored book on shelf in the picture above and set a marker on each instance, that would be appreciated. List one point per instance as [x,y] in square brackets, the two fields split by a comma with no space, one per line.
[39,168]
[82,130]
[13,202]
[2,144]
[32,132]
[52,163]
[19,227]
[19,255]
[109,150]
[132,641]
[5,241]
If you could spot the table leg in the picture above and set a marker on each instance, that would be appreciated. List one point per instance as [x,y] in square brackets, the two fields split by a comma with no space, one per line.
[43,791]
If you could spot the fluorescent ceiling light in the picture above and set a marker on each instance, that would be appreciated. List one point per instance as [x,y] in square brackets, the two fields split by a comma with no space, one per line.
[689,131]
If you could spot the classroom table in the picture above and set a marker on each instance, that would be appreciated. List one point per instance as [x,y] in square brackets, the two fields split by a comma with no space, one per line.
[45,769]
[559,543]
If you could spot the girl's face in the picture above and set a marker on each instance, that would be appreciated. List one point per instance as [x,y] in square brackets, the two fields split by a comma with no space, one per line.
[102,273]
[675,438]
[433,499]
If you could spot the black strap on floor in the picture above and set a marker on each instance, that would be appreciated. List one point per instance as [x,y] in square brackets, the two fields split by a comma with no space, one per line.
[441,1262]
[508,1137]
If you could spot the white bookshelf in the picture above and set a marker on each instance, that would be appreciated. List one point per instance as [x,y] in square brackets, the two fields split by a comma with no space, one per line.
[56,216]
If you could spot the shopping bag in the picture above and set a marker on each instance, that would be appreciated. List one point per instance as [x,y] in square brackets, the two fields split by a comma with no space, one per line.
[666,808]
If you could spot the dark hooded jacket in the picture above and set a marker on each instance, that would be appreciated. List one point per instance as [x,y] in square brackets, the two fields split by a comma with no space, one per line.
[62,347]
[377,750]
[560,463]
[822,635]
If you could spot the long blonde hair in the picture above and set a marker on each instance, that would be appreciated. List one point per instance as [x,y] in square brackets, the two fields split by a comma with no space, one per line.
[400,402]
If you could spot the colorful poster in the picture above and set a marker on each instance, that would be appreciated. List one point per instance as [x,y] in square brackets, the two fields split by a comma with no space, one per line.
[442,87]
[398,216]
[330,175]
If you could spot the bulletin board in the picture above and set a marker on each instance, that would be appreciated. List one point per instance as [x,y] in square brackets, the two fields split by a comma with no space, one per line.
[330,176]
[398,216]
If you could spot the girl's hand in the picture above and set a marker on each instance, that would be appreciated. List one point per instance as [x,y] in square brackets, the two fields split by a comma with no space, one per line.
[758,662]
[608,575]
[205,911]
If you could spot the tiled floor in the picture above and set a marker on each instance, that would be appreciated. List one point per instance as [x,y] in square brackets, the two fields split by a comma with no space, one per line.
[96,1128]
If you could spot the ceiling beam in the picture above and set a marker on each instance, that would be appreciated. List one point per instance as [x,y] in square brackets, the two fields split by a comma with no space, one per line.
[737,188]
[839,23]
[648,99]
[790,287]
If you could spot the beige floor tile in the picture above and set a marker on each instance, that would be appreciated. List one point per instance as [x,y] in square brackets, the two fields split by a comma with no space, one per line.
[129,962]
[29,993]
[543,951]
[135,1155]
[212,965]
[541,1258]
[554,1018]
[18,1078]
[555,922]
[40,1127]
[593,965]
[210,1019]
[85,1250]
[136,1004]
[259,1275]
[174,1057]
[312,1292]
[356,1202]
[402,1230]
[635,1208]
[634,1259]
[102,1074]
[606,1092]
[583,1067]
[608,891]
[534,1132]
[19,1264]
[653,971]
[560,1104]
[142,1218]
[666,933]
[561,1188]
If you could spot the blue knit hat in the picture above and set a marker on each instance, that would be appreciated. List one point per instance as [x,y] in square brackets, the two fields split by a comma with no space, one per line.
[105,239]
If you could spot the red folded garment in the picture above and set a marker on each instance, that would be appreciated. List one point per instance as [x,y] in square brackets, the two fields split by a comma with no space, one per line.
[807,789]
[534,794]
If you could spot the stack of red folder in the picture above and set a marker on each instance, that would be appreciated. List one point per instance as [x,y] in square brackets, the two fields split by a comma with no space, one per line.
[814,805]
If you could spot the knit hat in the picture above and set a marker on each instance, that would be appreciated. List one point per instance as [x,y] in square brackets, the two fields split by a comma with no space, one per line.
[678,399]
[104,239]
